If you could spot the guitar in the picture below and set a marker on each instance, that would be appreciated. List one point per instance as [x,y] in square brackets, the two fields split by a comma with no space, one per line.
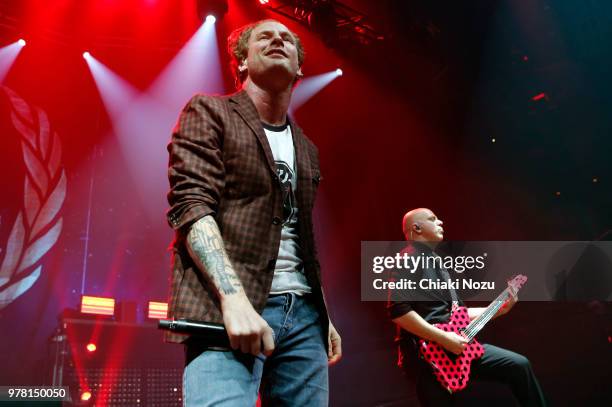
[453,371]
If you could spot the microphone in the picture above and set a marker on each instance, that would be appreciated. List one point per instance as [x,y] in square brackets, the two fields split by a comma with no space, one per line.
[211,333]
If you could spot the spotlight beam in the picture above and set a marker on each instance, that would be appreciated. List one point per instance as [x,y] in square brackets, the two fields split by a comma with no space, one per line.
[141,125]
[8,55]
[309,87]
[142,122]
[117,94]
[196,68]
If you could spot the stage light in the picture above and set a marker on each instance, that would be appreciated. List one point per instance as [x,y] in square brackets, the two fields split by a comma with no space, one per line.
[21,42]
[157,310]
[539,96]
[215,8]
[86,54]
[339,72]
[97,305]
[264,2]
[91,347]
[85,396]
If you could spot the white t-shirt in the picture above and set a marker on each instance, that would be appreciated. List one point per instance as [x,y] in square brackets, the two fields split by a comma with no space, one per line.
[289,270]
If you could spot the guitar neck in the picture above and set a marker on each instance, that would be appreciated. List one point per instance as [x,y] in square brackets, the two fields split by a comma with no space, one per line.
[478,323]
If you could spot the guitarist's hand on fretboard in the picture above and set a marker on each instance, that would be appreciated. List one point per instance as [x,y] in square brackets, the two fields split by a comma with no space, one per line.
[509,303]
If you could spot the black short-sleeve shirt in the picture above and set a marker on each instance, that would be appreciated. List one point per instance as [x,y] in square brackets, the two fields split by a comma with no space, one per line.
[436,310]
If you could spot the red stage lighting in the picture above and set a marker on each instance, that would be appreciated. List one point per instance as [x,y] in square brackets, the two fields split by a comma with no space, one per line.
[97,305]
[264,2]
[85,396]
[157,310]
[21,42]
[539,96]
[91,347]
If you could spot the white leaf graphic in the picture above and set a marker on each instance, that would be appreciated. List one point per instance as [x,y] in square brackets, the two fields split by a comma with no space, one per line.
[31,201]
[42,201]
[51,207]
[35,168]
[40,246]
[14,248]
[56,155]
[22,128]
[43,138]
[13,291]
[20,106]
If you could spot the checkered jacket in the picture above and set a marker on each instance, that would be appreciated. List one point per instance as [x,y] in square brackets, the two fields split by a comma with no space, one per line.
[221,165]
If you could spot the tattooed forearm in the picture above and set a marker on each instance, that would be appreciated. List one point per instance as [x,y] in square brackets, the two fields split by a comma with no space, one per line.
[206,248]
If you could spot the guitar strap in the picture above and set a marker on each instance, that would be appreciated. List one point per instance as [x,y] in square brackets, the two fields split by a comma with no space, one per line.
[443,272]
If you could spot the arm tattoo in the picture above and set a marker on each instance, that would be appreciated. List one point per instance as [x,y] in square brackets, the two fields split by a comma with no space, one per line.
[206,247]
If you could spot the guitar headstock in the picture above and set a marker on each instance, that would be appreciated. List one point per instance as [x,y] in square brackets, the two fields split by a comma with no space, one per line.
[517,283]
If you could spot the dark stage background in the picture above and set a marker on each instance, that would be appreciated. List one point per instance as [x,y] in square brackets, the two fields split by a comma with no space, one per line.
[495,114]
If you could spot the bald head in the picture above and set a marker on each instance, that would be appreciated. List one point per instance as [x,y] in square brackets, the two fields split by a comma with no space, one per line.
[422,224]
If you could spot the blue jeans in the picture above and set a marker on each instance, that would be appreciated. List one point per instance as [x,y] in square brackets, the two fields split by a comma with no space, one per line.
[294,375]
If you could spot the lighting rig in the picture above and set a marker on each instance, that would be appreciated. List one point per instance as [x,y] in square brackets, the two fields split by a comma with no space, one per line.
[333,21]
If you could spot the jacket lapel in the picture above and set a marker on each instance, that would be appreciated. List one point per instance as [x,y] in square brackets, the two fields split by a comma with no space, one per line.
[244,106]
[301,155]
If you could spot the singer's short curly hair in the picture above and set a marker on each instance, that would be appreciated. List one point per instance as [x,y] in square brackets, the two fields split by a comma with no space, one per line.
[238,48]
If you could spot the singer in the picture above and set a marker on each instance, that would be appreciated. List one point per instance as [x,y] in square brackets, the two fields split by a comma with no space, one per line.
[243,179]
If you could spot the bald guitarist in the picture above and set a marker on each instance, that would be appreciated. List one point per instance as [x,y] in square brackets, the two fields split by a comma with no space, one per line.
[417,321]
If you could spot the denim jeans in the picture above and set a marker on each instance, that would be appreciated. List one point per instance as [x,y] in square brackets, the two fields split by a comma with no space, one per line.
[294,375]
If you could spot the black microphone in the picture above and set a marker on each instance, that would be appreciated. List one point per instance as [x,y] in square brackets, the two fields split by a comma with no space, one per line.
[210,333]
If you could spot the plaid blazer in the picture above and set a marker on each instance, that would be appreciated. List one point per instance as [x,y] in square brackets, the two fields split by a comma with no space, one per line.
[221,165]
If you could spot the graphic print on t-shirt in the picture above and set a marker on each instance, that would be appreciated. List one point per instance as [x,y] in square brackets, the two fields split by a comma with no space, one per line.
[286,175]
